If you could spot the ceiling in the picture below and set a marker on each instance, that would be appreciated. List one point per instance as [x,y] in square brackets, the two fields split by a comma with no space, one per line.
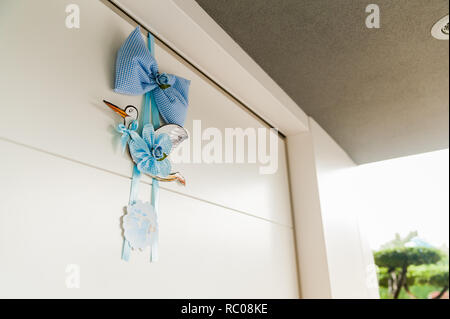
[380,93]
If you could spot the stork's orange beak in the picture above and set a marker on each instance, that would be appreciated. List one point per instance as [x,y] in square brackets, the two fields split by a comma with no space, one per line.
[116,109]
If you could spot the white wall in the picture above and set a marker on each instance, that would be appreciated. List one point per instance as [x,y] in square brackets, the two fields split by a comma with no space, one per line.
[64,181]
[56,212]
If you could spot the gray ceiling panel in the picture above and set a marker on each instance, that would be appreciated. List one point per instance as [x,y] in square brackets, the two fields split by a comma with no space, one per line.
[380,93]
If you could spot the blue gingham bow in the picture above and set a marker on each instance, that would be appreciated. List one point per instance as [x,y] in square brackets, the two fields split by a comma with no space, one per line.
[137,73]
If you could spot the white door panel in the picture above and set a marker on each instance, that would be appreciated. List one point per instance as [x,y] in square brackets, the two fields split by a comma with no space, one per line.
[55,212]
[52,84]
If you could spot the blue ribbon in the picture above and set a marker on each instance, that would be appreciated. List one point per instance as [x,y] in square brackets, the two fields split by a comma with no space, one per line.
[155,182]
[126,133]
[126,248]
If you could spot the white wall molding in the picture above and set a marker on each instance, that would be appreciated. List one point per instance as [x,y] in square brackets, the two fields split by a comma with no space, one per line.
[315,281]
[334,258]
[189,30]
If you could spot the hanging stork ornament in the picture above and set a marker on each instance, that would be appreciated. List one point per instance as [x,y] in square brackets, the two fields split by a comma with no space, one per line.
[150,151]
[167,95]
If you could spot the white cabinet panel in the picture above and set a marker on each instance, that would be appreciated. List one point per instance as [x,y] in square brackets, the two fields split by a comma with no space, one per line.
[54,79]
[54,212]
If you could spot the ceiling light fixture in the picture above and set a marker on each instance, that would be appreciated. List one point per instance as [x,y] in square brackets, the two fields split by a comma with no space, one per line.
[440,29]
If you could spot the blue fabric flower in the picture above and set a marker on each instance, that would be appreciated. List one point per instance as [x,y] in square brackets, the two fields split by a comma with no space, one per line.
[140,225]
[165,80]
[150,152]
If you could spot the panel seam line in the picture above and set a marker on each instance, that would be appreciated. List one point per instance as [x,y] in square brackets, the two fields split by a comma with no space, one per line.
[144,182]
